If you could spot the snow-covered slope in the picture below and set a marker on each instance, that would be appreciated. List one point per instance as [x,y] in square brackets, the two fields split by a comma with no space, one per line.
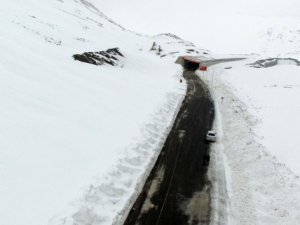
[76,139]
[270,95]
[259,109]
[258,126]
[228,26]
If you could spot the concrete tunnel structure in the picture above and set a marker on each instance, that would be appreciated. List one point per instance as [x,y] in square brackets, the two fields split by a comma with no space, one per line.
[199,62]
[189,62]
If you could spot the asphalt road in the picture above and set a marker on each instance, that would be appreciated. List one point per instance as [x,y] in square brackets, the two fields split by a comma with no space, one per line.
[177,190]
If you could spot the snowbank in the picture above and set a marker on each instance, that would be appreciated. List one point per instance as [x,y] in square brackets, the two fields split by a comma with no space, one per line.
[77,140]
[262,179]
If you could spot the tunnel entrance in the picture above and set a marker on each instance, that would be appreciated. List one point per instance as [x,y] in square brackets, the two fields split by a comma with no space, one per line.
[189,65]
[188,62]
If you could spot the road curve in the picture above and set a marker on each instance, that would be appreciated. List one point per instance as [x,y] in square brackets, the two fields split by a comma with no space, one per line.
[177,192]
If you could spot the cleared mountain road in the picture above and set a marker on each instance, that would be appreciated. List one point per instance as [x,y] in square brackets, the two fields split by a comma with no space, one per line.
[177,192]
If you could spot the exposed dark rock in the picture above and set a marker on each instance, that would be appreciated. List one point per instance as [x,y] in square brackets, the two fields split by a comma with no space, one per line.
[264,63]
[191,51]
[110,56]
[156,48]
[172,53]
[170,35]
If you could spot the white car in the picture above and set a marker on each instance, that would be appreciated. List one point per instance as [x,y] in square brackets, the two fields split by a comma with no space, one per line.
[211,136]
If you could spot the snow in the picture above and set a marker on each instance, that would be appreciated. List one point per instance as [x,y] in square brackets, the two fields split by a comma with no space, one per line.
[217,173]
[77,140]
[227,26]
[270,96]
[257,118]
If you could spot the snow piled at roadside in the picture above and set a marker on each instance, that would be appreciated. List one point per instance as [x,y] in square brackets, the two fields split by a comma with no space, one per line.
[77,140]
[270,96]
[262,187]
[109,199]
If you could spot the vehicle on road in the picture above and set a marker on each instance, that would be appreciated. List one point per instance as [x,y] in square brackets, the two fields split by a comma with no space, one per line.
[211,136]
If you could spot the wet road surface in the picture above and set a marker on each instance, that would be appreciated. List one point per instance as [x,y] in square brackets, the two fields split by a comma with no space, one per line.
[177,192]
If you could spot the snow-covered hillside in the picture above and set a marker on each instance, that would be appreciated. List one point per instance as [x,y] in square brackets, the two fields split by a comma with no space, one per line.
[228,26]
[70,130]
[257,157]
[77,140]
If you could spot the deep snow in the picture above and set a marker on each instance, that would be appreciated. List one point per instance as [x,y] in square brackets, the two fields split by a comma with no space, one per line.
[256,115]
[77,140]
[228,26]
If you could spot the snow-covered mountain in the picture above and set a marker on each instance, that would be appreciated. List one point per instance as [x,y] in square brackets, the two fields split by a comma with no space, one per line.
[228,26]
[70,129]
[255,165]
[86,104]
